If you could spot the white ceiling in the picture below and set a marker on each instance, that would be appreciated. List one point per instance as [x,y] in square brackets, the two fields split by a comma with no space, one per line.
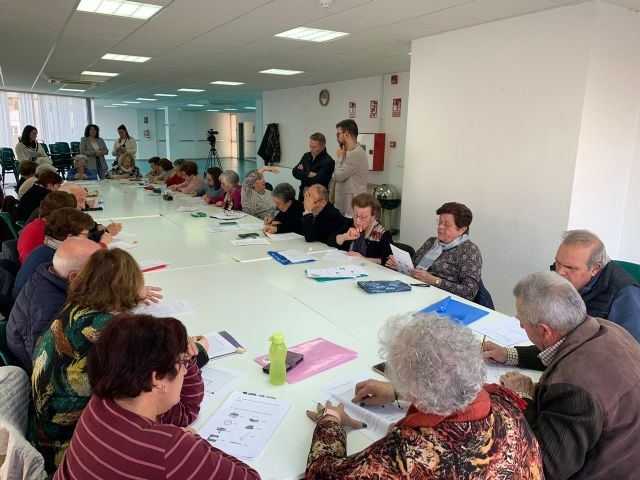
[194,42]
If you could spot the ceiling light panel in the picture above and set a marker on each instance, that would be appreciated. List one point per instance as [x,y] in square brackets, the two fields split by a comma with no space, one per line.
[279,71]
[148,99]
[120,8]
[125,58]
[311,34]
[165,95]
[223,82]
[197,90]
[71,90]
[100,74]
[195,105]
[129,101]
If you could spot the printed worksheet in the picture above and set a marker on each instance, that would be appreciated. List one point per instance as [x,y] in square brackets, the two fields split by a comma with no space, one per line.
[217,381]
[170,308]
[506,331]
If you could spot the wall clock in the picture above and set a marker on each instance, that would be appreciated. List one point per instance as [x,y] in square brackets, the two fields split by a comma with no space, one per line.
[323,98]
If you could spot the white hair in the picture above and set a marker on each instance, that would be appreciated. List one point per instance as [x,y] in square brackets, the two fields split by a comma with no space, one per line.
[587,238]
[432,361]
[44,167]
[81,158]
[230,178]
[550,299]
[71,255]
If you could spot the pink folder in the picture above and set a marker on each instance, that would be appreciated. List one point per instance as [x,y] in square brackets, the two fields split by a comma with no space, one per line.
[319,355]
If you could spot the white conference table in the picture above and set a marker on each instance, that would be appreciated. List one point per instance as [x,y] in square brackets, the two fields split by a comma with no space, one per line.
[230,298]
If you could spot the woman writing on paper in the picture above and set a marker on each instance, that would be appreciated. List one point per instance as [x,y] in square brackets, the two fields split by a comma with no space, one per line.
[138,411]
[366,237]
[449,261]
[456,427]
[290,210]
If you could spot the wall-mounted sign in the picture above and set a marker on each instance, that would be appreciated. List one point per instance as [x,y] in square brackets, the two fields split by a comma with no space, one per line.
[146,119]
[397,107]
[373,109]
[352,109]
[394,79]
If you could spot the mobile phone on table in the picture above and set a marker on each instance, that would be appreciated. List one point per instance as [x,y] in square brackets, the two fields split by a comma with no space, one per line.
[380,368]
[291,361]
[248,235]
[228,223]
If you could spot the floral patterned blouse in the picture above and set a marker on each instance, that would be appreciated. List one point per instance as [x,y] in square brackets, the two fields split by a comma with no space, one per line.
[459,268]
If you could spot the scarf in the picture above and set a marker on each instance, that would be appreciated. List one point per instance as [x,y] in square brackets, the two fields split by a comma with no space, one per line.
[360,244]
[436,250]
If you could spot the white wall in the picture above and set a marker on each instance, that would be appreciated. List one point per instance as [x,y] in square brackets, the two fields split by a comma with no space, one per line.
[494,121]
[298,114]
[609,133]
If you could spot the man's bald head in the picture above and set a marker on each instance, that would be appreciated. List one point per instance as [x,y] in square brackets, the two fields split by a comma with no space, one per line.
[78,192]
[71,256]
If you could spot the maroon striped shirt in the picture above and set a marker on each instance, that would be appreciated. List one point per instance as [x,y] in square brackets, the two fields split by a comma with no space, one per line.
[111,442]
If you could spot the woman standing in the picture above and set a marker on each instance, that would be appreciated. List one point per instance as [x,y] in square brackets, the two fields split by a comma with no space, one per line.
[28,148]
[124,144]
[94,148]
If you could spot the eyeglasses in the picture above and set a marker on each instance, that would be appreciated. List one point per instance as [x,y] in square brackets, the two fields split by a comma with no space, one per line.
[445,225]
[363,216]
[186,361]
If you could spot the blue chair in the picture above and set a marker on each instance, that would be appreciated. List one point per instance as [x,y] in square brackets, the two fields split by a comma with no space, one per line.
[65,156]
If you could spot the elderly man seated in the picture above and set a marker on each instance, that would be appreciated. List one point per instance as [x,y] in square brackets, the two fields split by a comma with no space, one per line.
[43,295]
[320,218]
[456,427]
[584,410]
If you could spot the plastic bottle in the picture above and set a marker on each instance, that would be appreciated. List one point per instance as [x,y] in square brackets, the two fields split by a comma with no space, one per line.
[277,358]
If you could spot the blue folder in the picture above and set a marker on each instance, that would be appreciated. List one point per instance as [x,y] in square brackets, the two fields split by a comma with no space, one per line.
[283,260]
[458,311]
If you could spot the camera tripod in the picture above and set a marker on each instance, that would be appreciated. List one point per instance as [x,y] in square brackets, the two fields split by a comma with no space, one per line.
[213,160]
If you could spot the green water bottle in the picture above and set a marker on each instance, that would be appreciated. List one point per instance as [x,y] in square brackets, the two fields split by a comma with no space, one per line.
[277,358]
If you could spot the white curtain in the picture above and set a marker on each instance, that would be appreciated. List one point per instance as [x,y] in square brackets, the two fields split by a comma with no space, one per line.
[27,110]
[62,119]
[5,122]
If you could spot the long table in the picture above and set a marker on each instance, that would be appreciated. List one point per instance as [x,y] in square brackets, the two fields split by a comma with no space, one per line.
[244,291]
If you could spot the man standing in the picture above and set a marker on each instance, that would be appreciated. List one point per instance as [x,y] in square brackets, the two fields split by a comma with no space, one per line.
[316,166]
[584,410]
[352,167]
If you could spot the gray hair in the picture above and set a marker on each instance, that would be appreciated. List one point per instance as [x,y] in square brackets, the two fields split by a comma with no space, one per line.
[284,192]
[81,158]
[550,299]
[323,193]
[252,177]
[432,361]
[45,167]
[586,238]
[72,255]
[230,178]
[318,137]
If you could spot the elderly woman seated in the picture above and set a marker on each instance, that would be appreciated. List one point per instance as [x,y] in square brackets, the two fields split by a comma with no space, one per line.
[137,412]
[230,198]
[290,210]
[256,200]
[367,237]
[456,427]
[80,169]
[126,168]
[449,261]
[192,183]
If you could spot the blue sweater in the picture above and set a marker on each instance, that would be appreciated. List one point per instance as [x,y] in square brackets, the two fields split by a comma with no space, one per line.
[41,254]
[91,174]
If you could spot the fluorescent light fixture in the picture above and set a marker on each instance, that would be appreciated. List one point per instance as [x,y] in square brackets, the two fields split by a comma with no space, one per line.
[100,74]
[71,90]
[224,82]
[148,99]
[165,95]
[311,34]
[250,108]
[108,106]
[230,109]
[118,104]
[213,110]
[195,105]
[190,90]
[120,8]
[125,58]
[129,101]
[279,71]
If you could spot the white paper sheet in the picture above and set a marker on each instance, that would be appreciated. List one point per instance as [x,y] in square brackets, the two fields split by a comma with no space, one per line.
[218,381]
[250,241]
[378,419]
[223,228]
[496,370]
[166,309]
[505,331]
[276,237]
[218,345]
[121,245]
[344,271]
[124,236]
[296,256]
[187,209]
[252,227]
[403,260]
[244,424]
[337,256]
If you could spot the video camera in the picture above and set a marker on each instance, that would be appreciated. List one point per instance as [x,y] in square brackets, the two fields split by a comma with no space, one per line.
[211,137]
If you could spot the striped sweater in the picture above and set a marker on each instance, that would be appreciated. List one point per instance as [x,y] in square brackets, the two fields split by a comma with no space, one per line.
[111,442]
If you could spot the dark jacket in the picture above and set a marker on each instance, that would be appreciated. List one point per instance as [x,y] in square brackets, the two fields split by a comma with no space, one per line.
[378,245]
[30,201]
[323,166]
[270,146]
[585,414]
[41,254]
[41,298]
[318,228]
[291,220]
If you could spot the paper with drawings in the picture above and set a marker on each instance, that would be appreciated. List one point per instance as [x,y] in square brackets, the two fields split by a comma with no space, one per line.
[217,381]
[345,271]
[506,331]
[171,308]
[337,256]
[378,419]
[284,236]
[250,241]
[244,424]
[404,264]
[219,346]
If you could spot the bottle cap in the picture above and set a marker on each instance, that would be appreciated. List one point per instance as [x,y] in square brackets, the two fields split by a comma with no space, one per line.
[277,338]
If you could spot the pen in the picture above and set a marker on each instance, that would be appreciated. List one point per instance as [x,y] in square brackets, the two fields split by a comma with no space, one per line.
[258,395]
[419,284]
[445,304]
[482,344]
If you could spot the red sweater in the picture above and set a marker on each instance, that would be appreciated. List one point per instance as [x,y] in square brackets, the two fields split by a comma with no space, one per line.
[173,180]
[31,236]
[111,442]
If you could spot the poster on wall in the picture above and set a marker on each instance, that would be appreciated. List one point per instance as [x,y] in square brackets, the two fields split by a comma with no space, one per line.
[397,107]
[352,109]
[373,109]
